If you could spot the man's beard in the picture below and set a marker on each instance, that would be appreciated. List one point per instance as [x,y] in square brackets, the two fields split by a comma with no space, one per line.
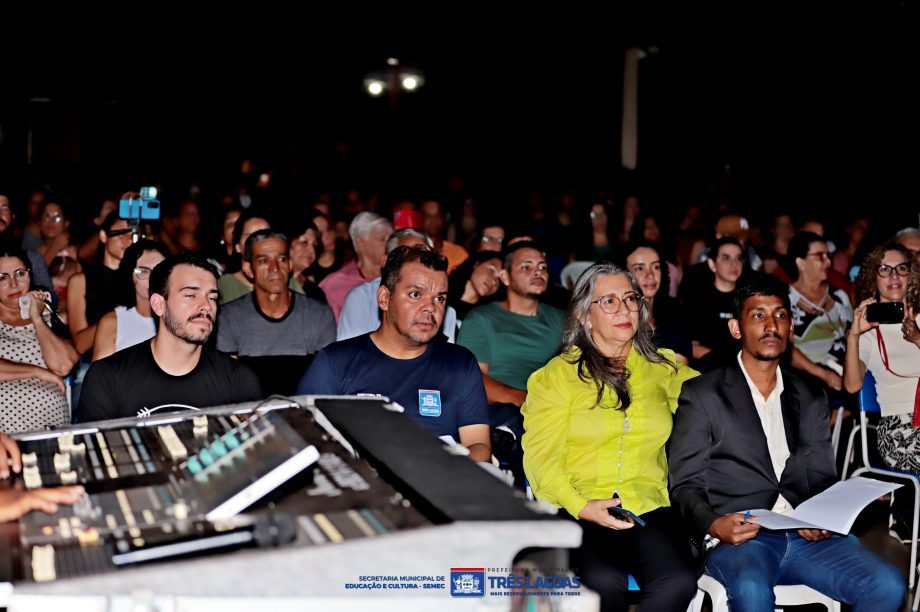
[524,293]
[416,339]
[175,329]
[759,356]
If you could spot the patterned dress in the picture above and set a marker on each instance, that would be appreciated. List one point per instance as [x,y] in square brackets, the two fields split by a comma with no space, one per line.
[820,329]
[28,404]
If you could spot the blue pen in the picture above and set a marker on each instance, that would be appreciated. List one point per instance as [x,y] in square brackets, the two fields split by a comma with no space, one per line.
[747,516]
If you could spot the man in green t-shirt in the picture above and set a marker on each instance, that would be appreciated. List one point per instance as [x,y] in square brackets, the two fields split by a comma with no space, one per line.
[513,338]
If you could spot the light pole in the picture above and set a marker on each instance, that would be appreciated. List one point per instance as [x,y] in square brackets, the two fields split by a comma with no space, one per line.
[394,80]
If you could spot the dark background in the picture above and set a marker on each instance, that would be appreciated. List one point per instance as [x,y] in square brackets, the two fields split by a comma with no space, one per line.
[785,110]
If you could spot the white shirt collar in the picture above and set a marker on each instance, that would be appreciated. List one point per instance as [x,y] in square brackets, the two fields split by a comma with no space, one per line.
[755,392]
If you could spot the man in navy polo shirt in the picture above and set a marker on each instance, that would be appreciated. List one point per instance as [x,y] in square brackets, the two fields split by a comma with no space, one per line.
[438,384]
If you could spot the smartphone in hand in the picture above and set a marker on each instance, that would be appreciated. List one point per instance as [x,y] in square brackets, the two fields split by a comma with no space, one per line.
[623,514]
[885,312]
[25,302]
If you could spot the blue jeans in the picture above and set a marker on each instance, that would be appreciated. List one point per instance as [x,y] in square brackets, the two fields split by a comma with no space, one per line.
[838,567]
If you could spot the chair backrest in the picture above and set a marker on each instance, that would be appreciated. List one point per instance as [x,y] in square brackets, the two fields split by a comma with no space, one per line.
[572,271]
[868,406]
[868,395]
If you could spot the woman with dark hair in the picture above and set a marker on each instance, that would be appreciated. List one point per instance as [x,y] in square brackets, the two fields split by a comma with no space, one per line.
[132,321]
[603,237]
[626,218]
[474,282]
[774,253]
[331,255]
[596,419]
[645,228]
[820,313]
[651,228]
[33,359]
[597,233]
[55,233]
[650,269]
[61,269]
[489,238]
[855,231]
[891,351]
[304,247]
[223,254]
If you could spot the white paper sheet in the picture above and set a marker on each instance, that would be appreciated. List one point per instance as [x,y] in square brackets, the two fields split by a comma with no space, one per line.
[835,509]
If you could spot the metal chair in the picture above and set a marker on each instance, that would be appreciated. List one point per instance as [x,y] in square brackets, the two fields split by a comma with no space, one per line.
[835,432]
[851,443]
[913,606]
[868,405]
[786,595]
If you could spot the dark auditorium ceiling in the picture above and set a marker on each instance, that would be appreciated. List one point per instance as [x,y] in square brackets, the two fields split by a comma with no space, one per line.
[824,109]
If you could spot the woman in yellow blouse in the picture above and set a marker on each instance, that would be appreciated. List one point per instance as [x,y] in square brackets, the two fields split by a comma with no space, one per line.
[596,421]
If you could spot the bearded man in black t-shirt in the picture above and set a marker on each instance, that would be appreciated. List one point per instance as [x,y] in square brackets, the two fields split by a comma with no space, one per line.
[175,366]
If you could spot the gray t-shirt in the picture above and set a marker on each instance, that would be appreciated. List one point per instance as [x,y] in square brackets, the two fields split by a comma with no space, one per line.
[243,330]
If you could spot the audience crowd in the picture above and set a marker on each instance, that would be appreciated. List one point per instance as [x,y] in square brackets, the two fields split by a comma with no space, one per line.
[683,367]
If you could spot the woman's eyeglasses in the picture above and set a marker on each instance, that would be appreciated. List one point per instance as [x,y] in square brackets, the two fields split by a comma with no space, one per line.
[142,272]
[902,269]
[611,303]
[18,274]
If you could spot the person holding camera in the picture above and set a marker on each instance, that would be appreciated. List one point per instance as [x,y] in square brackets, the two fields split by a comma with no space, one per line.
[885,340]
[91,293]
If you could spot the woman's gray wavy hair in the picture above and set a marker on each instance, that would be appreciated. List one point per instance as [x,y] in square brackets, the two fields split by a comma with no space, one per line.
[592,365]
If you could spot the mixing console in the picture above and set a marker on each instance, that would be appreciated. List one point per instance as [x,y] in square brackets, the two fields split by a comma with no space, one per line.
[291,477]
[185,478]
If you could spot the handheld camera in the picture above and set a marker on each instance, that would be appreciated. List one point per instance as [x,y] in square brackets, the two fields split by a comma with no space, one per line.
[144,207]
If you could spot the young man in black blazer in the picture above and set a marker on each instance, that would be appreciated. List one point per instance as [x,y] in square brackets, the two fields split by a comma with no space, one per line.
[753,435]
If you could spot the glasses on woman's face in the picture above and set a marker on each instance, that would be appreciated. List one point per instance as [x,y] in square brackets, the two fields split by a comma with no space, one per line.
[53,217]
[142,272]
[902,269]
[611,303]
[17,276]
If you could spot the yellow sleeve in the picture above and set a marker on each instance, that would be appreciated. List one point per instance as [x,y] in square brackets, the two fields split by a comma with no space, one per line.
[675,380]
[546,424]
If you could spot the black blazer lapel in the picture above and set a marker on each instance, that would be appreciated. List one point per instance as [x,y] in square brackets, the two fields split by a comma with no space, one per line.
[790,404]
[746,424]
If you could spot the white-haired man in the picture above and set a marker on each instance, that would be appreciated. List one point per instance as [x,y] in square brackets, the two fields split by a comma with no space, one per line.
[369,232]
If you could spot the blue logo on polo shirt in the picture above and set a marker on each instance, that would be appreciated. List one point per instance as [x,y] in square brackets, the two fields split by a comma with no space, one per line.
[467,581]
[429,402]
